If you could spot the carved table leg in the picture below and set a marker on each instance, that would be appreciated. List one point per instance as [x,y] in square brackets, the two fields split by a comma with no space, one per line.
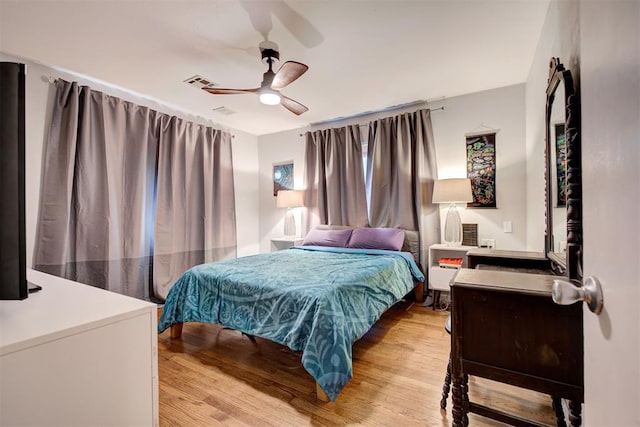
[447,386]
[575,413]
[465,398]
[557,408]
[456,397]
[460,402]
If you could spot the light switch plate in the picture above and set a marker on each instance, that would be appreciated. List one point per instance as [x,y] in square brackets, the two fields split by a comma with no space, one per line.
[507,227]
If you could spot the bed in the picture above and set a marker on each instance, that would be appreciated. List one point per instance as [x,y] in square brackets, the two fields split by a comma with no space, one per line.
[317,300]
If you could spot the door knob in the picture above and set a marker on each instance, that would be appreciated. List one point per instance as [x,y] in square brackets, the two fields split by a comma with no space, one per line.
[564,292]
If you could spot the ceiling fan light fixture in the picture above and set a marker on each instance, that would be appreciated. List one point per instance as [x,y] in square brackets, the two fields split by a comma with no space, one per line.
[268,97]
[272,83]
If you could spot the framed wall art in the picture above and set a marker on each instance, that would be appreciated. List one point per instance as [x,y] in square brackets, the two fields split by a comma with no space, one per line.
[282,177]
[481,169]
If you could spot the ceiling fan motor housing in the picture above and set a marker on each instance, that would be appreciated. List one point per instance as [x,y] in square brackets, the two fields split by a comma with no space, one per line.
[269,50]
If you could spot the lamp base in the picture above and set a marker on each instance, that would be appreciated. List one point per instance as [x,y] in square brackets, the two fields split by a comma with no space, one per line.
[453,227]
[289,224]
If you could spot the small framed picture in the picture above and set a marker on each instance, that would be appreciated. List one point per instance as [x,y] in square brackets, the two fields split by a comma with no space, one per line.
[282,176]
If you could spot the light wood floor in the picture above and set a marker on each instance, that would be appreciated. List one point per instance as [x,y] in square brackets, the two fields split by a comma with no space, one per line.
[215,376]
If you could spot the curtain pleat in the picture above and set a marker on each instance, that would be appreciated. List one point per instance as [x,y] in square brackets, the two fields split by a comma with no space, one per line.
[334,178]
[195,205]
[401,169]
[97,191]
[98,207]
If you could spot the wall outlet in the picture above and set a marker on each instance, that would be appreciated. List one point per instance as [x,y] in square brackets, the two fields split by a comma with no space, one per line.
[488,243]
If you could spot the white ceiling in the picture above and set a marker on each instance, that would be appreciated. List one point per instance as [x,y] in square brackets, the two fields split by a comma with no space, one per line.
[362,55]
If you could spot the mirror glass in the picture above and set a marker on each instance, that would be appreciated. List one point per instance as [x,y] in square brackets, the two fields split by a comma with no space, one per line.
[558,172]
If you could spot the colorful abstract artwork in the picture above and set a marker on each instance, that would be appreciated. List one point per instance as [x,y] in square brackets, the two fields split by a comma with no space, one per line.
[481,169]
[561,165]
[282,177]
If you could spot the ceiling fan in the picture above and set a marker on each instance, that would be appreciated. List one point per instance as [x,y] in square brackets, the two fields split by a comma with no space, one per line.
[269,90]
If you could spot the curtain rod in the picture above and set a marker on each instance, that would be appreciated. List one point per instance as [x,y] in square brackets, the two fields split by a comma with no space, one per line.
[365,124]
[382,110]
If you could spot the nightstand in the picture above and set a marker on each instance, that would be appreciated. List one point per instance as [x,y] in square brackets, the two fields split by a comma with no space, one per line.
[439,277]
[280,243]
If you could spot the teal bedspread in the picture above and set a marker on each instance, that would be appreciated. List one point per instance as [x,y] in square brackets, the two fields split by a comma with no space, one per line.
[315,300]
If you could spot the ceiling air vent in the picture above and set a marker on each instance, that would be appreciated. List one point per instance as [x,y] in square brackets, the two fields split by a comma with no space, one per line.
[199,82]
[224,110]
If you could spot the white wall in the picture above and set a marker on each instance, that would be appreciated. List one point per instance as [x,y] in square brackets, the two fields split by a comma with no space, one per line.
[245,177]
[559,38]
[501,109]
[39,97]
[1,6]
[277,148]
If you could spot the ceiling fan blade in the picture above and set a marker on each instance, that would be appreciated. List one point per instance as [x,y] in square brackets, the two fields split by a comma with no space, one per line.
[288,73]
[294,106]
[221,91]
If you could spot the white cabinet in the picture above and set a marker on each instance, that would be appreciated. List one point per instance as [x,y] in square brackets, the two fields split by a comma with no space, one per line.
[439,277]
[75,355]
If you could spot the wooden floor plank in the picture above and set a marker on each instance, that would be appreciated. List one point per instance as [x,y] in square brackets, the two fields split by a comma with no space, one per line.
[214,376]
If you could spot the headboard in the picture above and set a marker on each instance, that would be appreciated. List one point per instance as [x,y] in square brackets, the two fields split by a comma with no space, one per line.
[411,240]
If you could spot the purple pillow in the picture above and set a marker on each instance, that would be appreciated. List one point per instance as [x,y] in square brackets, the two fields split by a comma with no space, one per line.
[335,238]
[390,239]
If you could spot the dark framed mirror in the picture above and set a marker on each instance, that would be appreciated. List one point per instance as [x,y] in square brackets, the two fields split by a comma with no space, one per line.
[563,235]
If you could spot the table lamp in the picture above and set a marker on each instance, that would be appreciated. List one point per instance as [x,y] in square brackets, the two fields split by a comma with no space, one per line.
[289,199]
[452,191]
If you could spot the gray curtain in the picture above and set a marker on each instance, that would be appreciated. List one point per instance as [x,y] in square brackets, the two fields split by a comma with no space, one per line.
[96,218]
[401,168]
[334,178]
[195,214]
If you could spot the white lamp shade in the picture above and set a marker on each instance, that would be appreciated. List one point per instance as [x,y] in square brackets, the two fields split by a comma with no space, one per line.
[456,190]
[290,199]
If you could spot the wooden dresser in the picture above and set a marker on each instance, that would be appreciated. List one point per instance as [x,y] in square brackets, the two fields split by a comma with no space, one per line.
[505,327]
[517,260]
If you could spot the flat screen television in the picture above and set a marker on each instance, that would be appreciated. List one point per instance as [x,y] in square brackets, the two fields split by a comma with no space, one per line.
[13,266]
